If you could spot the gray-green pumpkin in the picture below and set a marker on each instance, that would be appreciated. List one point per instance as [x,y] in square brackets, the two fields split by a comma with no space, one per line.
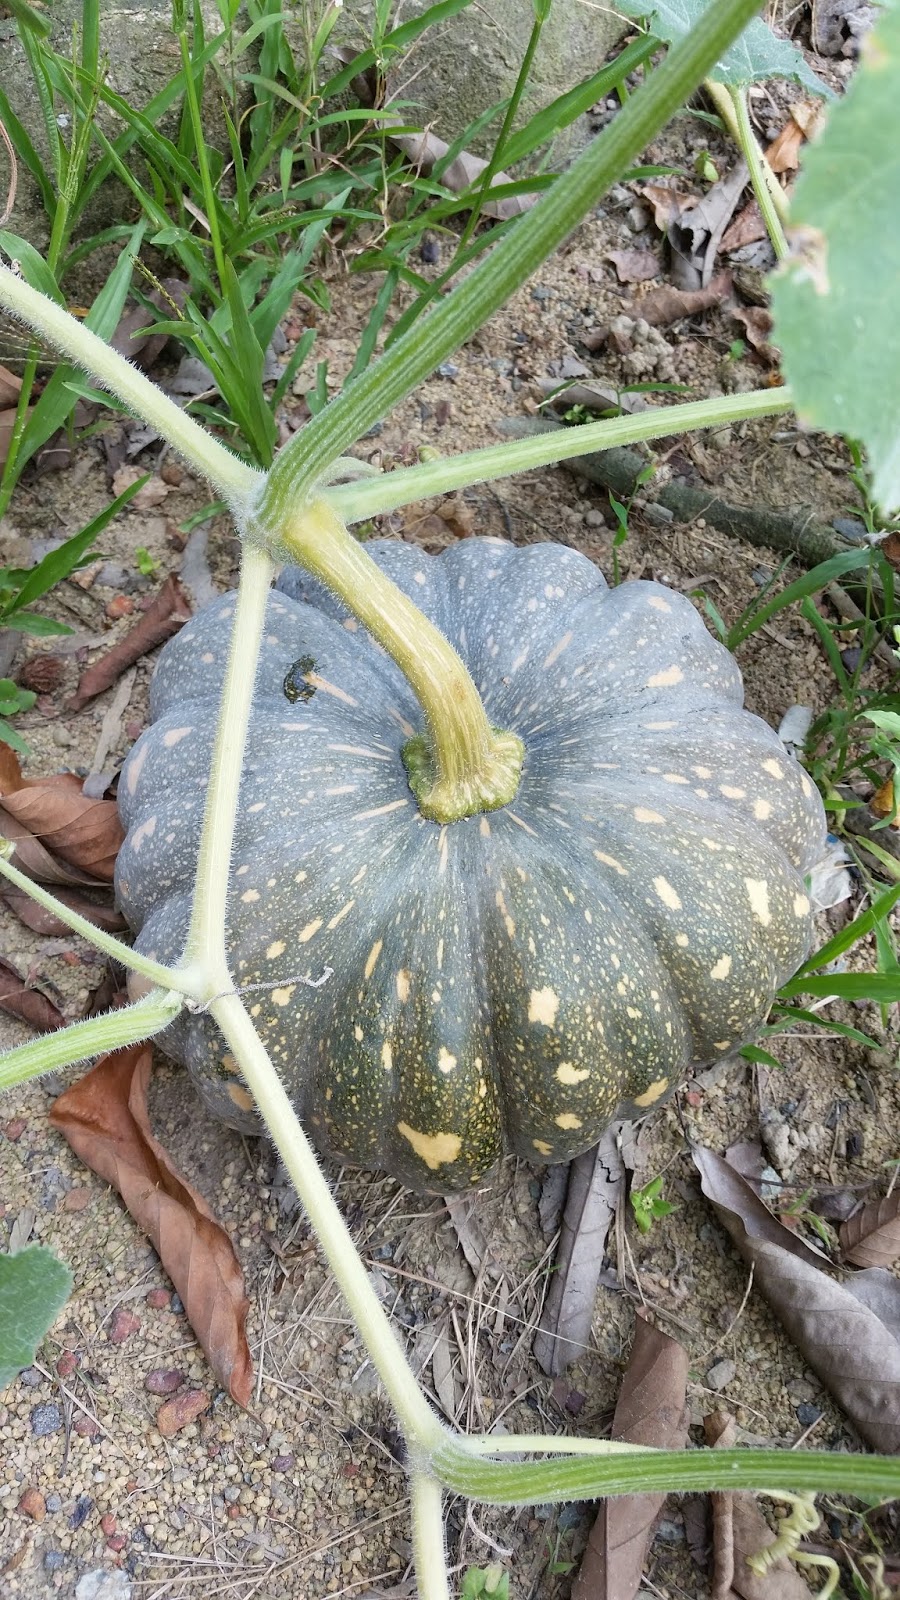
[434,995]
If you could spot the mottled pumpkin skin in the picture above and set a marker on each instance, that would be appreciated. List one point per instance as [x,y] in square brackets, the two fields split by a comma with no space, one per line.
[514,980]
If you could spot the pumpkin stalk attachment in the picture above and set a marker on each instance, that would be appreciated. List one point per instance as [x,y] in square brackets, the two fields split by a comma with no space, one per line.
[460,765]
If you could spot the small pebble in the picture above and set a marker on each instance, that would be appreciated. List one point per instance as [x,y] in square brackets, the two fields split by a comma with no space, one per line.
[81,1510]
[173,1415]
[32,1504]
[448,369]
[31,1377]
[430,251]
[124,1323]
[61,735]
[849,528]
[807,1414]
[53,1560]
[46,1419]
[103,1585]
[159,1299]
[86,1427]
[121,605]
[163,1380]
[541,294]
[283,1463]
[15,1128]
[721,1374]
[177,1305]
[54,1503]
[595,518]
[670,1531]
[171,473]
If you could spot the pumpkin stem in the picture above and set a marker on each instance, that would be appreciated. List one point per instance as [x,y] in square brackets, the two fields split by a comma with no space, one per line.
[460,765]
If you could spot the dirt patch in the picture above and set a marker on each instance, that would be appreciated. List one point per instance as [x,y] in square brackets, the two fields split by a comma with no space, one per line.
[305,1493]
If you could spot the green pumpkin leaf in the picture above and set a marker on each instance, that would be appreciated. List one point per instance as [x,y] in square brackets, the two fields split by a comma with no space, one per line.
[835,298]
[34,1287]
[756,55]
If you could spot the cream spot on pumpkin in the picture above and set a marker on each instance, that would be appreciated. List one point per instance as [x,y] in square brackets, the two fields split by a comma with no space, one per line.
[621,988]
[722,1044]
[520,660]
[419,577]
[229,1064]
[340,915]
[658,603]
[721,968]
[240,1097]
[566,1073]
[357,1033]
[558,648]
[542,1147]
[207,657]
[774,768]
[669,896]
[711,844]
[387,1056]
[402,982]
[175,736]
[610,861]
[440,953]
[508,922]
[359,877]
[372,957]
[642,814]
[446,1062]
[484,828]
[801,905]
[282,997]
[730,792]
[652,1093]
[631,1012]
[666,679]
[145,831]
[329,688]
[805,784]
[762,810]
[673,777]
[567,1119]
[682,940]
[702,772]
[299,877]
[358,750]
[275,949]
[543,1005]
[520,824]
[758,895]
[309,931]
[380,811]
[659,727]
[435,1149]
[134,769]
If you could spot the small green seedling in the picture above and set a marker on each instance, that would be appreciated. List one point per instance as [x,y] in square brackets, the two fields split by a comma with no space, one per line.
[12,701]
[145,562]
[648,1204]
[481,1582]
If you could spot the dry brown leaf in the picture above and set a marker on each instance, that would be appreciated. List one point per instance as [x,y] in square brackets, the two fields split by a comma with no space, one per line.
[651,1411]
[634,266]
[783,154]
[666,305]
[884,801]
[424,149]
[10,387]
[756,322]
[104,1118]
[151,495]
[747,228]
[85,833]
[871,1238]
[19,999]
[668,204]
[43,921]
[594,1192]
[739,1531]
[168,613]
[850,1349]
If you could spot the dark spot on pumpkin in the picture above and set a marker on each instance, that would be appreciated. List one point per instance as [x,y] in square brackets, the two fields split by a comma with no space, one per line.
[295,685]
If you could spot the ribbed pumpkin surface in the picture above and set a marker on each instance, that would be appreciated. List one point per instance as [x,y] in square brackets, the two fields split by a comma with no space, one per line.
[509,981]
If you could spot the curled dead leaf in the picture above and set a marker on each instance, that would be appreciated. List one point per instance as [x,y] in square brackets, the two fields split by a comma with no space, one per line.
[54,812]
[740,1530]
[20,999]
[666,305]
[854,1353]
[595,1189]
[871,1238]
[104,1118]
[650,1411]
[168,613]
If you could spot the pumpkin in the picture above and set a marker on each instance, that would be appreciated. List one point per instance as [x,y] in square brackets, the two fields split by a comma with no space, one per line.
[433,996]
